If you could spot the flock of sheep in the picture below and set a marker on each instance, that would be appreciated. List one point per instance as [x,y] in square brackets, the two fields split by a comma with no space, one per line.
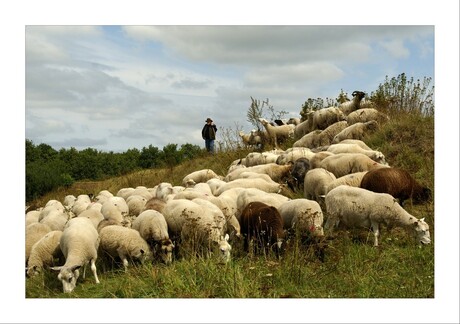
[345,184]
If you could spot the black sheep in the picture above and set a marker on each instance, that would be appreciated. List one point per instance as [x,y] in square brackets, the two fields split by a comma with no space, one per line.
[263,224]
[396,182]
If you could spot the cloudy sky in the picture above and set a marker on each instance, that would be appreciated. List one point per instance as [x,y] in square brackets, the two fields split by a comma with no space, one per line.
[119,87]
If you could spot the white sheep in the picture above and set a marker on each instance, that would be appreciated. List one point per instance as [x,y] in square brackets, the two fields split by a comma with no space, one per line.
[377,156]
[304,216]
[94,215]
[34,232]
[366,114]
[44,252]
[310,140]
[294,153]
[136,204]
[356,131]
[32,217]
[245,138]
[353,207]
[125,192]
[277,172]
[256,158]
[200,176]
[51,208]
[214,184]
[277,132]
[81,203]
[115,208]
[56,220]
[153,228]
[315,161]
[79,244]
[354,104]
[258,183]
[316,182]
[346,163]
[125,243]
[69,200]
[352,179]
[357,142]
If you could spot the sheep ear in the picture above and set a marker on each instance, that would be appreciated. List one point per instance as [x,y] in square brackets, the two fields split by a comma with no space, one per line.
[56,268]
[422,219]
[227,237]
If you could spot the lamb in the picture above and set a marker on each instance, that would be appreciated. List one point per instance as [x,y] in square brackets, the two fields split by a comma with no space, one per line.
[277,132]
[44,252]
[79,244]
[356,131]
[377,156]
[200,176]
[262,223]
[34,232]
[354,104]
[396,182]
[304,216]
[316,182]
[352,207]
[125,243]
[352,179]
[346,163]
[153,228]
[363,115]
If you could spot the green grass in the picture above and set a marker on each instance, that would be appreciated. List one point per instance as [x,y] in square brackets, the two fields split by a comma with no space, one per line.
[352,267]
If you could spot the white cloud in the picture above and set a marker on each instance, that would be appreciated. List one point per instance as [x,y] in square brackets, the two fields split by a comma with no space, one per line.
[396,48]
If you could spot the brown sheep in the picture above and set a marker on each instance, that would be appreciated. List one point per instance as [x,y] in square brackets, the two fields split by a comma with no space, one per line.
[396,182]
[264,224]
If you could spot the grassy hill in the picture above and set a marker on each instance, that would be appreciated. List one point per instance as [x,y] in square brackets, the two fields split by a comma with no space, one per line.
[352,267]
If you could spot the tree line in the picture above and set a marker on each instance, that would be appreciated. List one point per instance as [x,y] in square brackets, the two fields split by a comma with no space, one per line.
[48,169]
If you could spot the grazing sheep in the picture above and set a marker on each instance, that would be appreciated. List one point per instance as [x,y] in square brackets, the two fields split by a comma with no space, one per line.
[69,200]
[354,104]
[153,228]
[294,153]
[115,208]
[34,232]
[56,220]
[377,156]
[258,183]
[256,158]
[249,195]
[200,176]
[366,114]
[304,216]
[277,172]
[125,192]
[309,140]
[214,184]
[352,179]
[357,142]
[262,223]
[276,133]
[125,243]
[155,204]
[136,204]
[79,244]
[397,182]
[346,163]
[315,161]
[81,204]
[356,131]
[51,208]
[43,253]
[95,216]
[299,169]
[353,207]
[316,182]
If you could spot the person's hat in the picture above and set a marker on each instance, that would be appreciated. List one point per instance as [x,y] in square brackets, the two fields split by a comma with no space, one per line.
[209,119]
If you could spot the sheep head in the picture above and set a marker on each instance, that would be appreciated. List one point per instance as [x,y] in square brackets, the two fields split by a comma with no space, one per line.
[360,94]
[422,230]
[224,250]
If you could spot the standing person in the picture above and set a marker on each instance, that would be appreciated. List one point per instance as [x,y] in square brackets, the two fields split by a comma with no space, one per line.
[209,134]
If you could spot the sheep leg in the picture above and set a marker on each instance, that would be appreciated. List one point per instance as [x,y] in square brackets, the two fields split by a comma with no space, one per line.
[93,269]
[375,229]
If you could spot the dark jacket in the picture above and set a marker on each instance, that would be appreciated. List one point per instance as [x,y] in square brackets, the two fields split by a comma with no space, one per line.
[209,132]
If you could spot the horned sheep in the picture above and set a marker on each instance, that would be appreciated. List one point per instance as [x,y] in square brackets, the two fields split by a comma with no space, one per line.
[79,244]
[352,207]
[125,243]
[397,182]
[354,104]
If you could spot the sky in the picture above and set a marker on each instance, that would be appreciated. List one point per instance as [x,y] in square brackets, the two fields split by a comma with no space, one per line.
[118,87]
[144,80]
